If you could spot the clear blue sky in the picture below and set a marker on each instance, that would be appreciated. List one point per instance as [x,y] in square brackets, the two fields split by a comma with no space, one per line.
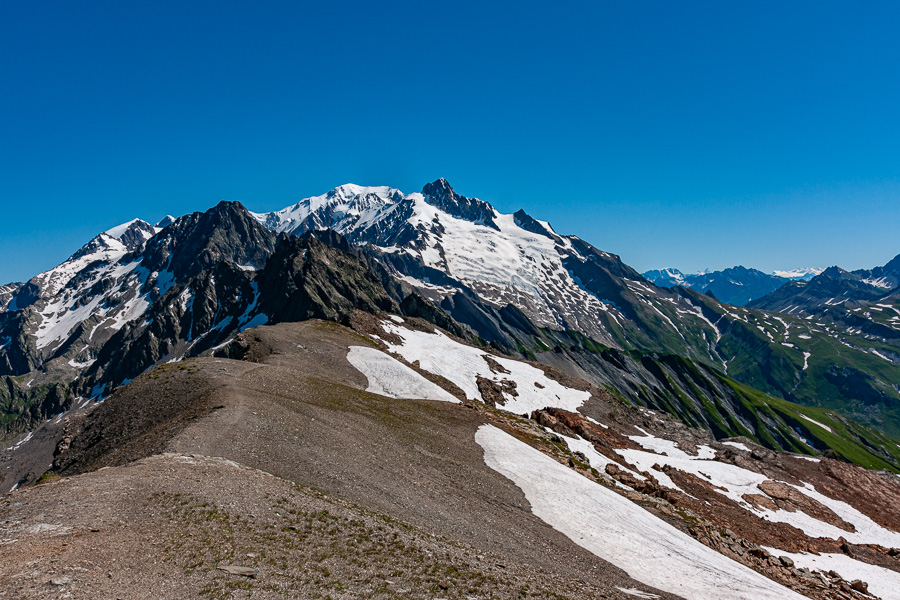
[696,135]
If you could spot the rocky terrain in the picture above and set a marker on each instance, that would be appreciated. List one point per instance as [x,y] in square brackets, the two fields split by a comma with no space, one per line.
[304,460]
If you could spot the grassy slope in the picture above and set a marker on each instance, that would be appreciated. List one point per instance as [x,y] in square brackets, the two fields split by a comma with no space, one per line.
[701,396]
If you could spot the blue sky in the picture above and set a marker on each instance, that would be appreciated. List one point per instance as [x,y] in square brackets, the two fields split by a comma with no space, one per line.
[696,135]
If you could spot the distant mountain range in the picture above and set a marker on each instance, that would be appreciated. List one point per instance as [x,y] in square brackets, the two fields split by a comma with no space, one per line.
[736,286]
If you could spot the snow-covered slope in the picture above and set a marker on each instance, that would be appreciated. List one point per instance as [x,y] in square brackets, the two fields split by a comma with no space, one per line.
[67,297]
[490,252]
[619,531]
[107,247]
[440,242]
[804,274]
[521,388]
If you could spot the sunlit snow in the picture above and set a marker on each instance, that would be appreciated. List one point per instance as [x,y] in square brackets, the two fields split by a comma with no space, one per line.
[461,364]
[619,531]
[389,377]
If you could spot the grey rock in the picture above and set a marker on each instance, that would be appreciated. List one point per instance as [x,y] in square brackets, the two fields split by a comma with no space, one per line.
[239,570]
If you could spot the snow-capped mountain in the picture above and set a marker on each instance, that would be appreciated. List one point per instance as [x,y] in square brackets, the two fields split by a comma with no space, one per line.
[464,255]
[835,287]
[439,242]
[666,277]
[886,277]
[462,238]
[804,274]
[49,315]
[107,247]
[59,320]
[736,286]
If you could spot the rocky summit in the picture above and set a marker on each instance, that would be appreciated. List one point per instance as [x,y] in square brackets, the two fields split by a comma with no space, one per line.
[375,394]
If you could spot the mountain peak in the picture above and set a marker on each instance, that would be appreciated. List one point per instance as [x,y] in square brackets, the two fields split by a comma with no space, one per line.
[439,193]
[165,222]
[132,234]
[834,272]
[529,223]
[194,242]
[351,190]
[439,186]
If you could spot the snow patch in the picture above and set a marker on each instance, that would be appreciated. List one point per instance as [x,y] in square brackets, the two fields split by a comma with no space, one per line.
[619,531]
[389,377]
[811,420]
[737,445]
[463,365]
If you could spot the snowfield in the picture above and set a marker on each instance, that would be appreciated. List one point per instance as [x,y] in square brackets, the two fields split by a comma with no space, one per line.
[390,377]
[463,364]
[620,532]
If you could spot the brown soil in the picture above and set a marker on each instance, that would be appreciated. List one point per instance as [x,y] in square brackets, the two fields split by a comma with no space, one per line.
[166,526]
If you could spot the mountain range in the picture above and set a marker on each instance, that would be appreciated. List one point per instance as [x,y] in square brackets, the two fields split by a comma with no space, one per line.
[430,355]
[736,286]
[139,295]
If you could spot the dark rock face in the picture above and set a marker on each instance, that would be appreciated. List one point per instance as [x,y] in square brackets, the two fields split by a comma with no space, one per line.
[198,241]
[26,295]
[136,234]
[7,292]
[415,305]
[440,194]
[187,320]
[18,355]
[529,223]
[303,279]
[306,279]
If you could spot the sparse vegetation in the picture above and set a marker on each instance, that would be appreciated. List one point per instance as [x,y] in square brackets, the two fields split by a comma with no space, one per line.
[316,547]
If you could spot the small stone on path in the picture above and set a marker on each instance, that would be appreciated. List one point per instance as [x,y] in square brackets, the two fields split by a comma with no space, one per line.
[238,570]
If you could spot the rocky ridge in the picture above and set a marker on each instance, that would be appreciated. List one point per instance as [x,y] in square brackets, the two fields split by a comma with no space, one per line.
[296,407]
